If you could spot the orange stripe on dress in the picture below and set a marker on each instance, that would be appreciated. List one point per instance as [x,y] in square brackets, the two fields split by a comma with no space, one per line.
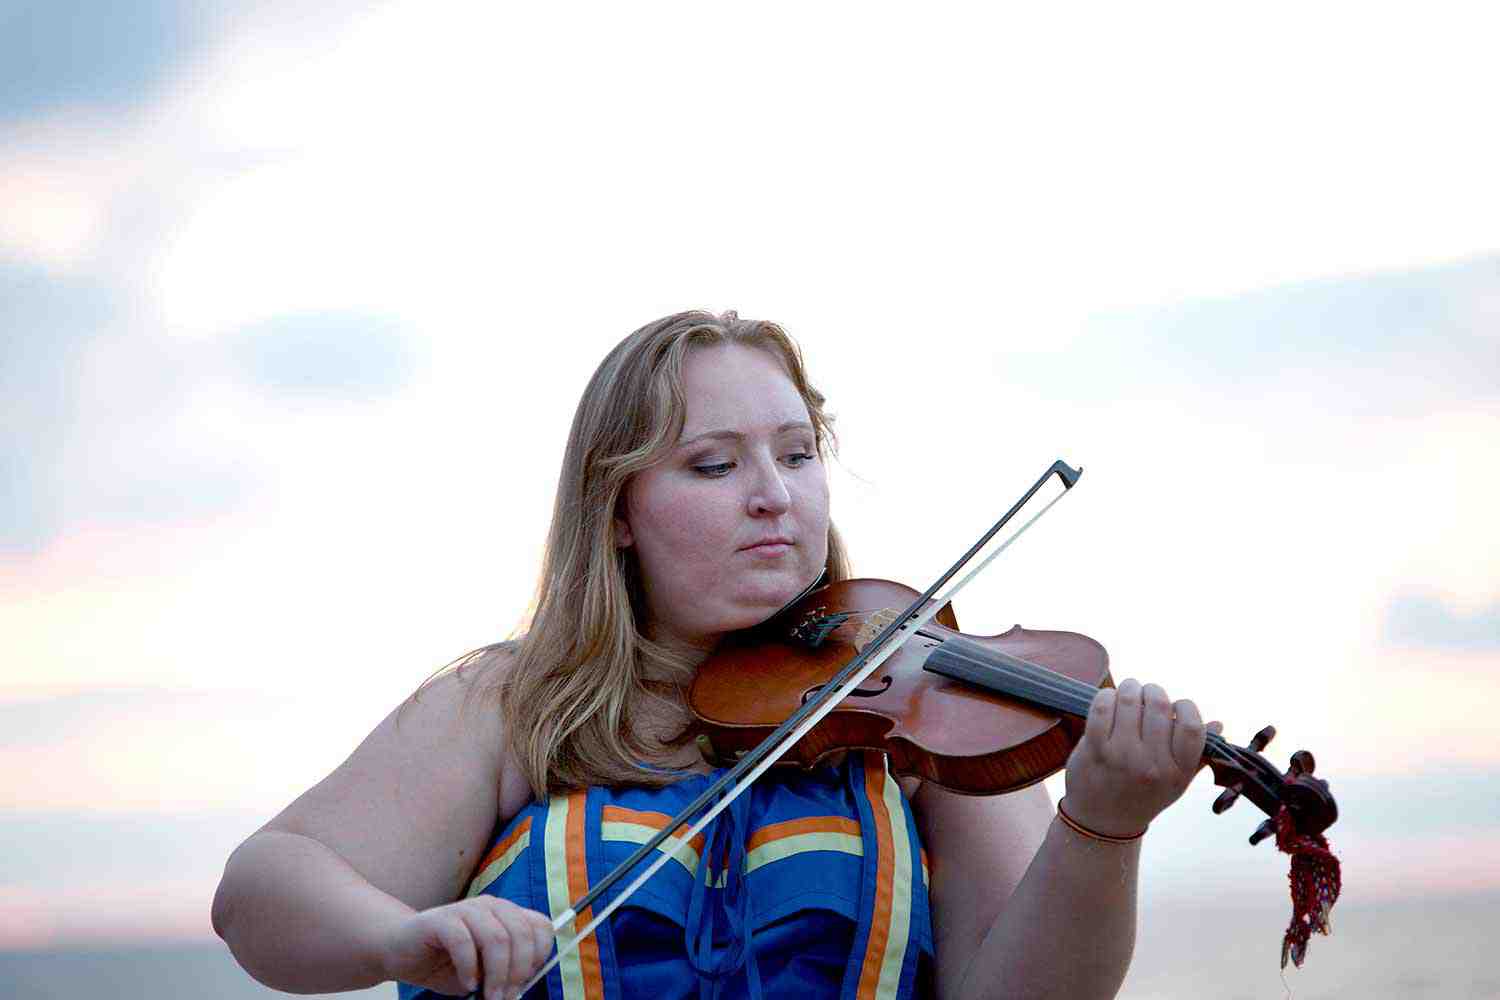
[797,827]
[880,925]
[761,837]
[498,851]
[655,820]
[578,885]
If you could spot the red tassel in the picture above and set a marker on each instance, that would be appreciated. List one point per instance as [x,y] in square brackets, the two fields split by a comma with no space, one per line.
[1316,882]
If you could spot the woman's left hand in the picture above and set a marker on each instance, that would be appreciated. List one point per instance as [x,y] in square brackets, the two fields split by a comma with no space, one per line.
[1138,754]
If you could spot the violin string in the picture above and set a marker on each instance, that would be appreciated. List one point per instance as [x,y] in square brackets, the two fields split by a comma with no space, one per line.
[1075,696]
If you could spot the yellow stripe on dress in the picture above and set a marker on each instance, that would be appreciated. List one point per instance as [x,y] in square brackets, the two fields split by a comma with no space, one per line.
[567,879]
[787,847]
[637,826]
[900,926]
[501,857]
[771,843]
[890,924]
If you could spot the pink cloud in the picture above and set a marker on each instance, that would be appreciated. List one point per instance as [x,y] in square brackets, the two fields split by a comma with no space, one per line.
[105,914]
[1388,868]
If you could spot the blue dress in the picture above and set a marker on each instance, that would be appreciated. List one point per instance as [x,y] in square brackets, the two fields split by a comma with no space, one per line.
[815,886]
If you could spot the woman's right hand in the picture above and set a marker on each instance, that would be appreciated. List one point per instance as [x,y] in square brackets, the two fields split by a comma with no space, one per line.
[459,947]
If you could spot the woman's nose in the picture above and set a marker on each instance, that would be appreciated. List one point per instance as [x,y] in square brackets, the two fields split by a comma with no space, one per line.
[770,495]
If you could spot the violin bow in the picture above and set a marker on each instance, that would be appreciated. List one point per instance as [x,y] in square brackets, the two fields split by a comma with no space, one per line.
[757,761]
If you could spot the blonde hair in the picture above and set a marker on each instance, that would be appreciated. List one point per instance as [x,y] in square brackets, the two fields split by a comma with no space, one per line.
[571,696]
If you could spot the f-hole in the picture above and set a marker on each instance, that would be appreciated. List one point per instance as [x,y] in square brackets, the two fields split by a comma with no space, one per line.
[885,685]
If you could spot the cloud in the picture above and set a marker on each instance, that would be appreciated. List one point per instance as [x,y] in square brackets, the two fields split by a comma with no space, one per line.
[79,878]
[64,846]
[1391,343]
[1429,830]
[64,52]
[160,748]
[60,719]
[47,325]
[109,421]
[1421,620]
[91,432]
[346,355]
[1417,805]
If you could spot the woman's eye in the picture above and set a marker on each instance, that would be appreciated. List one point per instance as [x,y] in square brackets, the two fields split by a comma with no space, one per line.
[800,458]
[717,469]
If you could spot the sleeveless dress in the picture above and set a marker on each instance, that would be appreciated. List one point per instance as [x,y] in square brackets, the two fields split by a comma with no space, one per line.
[812,885]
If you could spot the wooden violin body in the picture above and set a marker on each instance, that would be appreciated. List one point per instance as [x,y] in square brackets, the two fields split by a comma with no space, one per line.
[953,733]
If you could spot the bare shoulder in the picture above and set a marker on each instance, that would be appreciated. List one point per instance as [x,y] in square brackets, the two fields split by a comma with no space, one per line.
[413,807]
[463,708]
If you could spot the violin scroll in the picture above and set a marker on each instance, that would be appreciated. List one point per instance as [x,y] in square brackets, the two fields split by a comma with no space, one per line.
[1242,771]
[1299,808]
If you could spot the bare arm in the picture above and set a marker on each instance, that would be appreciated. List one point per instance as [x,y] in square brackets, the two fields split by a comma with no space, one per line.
[396,829]
[1065,927]
[299,919]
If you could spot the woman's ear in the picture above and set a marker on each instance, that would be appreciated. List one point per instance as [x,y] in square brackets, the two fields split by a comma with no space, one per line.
[623,538]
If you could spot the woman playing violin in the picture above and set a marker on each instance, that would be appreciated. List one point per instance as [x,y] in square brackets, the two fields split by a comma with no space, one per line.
[693,503]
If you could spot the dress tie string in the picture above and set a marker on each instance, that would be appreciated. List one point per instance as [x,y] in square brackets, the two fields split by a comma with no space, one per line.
[718,935]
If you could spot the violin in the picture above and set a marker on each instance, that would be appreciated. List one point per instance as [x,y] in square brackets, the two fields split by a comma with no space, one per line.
[872,664]
[979,715]
[975,715]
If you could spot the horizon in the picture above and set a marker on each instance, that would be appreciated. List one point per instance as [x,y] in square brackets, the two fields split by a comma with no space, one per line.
[1378,951]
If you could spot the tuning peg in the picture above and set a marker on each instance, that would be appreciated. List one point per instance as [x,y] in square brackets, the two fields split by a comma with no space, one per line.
[1263,737]
[1227,798]
[1302,763]
[1263,831]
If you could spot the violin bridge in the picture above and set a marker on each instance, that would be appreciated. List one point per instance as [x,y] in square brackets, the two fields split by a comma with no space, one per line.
[873,626]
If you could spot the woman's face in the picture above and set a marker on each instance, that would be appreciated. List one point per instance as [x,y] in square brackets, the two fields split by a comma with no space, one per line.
[733,523]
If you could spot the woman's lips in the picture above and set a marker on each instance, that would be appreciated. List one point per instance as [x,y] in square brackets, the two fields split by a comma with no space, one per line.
[768,549]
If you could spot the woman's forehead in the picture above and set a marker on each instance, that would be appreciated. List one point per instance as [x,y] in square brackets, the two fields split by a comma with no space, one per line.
[732,387]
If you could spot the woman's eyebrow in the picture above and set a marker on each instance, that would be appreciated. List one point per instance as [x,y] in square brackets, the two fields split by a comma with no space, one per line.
[790,425]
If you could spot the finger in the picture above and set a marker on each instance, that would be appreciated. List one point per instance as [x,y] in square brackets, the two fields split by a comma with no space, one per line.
[522,944]
[1156,723]
[494,948]
[1127,727]
[1100,721]
[458,942]
[542,933]
[1188,734]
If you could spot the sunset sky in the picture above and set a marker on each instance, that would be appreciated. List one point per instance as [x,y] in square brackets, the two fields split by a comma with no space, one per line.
[296,302]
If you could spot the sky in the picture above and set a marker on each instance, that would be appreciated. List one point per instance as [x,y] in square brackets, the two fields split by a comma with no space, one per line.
[296,304]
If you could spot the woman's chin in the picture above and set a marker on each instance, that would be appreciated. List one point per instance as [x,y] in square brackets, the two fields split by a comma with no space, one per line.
[763,602]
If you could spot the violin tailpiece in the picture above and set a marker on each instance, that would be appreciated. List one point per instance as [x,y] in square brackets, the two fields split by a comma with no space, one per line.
[816,627]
